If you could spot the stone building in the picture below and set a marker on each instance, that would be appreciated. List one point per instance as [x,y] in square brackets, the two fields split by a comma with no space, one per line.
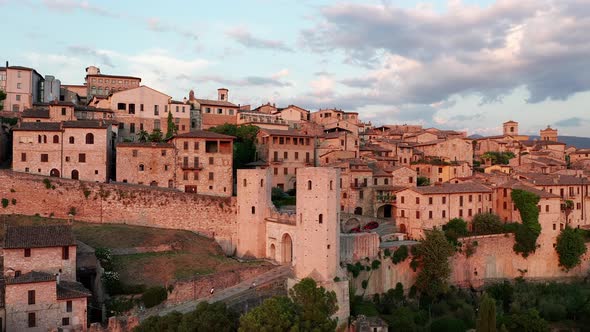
[548,134]
[195,162]
[80,150]
[309,239]
[98,84]
[215,112]
[442,171]
[284,151]
[23,87]
[423,208]
[40,291]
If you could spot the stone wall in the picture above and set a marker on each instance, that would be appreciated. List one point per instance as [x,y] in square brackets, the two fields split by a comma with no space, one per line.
[121,203]
[200,287]
[354,247]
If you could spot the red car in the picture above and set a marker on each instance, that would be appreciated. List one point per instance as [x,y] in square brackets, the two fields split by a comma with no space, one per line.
[371,225]
[355,230]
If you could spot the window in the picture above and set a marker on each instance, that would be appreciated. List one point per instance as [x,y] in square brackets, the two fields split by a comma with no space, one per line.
[444,214]
[17,97]
[141,107]
[163,153]
[82,157]
[286,170]
[132,128]
[211,161]
[286,155]
[69,306]
[309,185]
[31,297]
[196,161]
[470,198]
[27,252]
[185,145]
[411,179]
[417,214]
[44,157]
[276,171]
[430,200]
[211,176]
[157,124]
[32,320]
[131,108]
[134,152]
[403,213]
[196,145]
[321,218]
[23,157]
[65,252]
[89,138]
[165,108]
[18,85]
[121,106]
[361,194]
[156,110]
[429,214]
[253,210]
[65,321]
[219,111]
[417,200]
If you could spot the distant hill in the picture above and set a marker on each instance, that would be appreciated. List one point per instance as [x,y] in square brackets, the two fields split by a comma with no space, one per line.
[579,142]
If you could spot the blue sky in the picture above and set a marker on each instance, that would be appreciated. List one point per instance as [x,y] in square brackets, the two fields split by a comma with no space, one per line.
[468,65]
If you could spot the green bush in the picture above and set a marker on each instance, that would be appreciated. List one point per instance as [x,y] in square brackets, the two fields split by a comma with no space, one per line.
[400,254]
[422,181]
[4,202]
[375,264]
[487,223]
[47,183]
[455,229]
[154,296]
[570,247]
[448,324]
[526,233]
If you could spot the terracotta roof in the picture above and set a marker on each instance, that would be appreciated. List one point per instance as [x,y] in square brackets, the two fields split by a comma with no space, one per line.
[203,134]
[373,147]
[92,109]
[145,145]
[38,236]
[453,188]
[389,187]
[36,113]
[38,126]
[210,102]
[380,172]
[553,179]
[540,193]
[71,290]
[287,132]
[117,76]
[581,151]
[31,277]
[86,124]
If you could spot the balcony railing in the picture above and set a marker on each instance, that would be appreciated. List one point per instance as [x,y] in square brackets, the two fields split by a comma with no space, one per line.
[386,198]
[358,185]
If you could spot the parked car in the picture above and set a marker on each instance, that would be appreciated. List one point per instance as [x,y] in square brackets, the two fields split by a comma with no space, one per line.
[371,225]
[355,230]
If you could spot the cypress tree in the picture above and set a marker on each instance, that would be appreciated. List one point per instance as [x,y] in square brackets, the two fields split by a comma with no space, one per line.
[486,317]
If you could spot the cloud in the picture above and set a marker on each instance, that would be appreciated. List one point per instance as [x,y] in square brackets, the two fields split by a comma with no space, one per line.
[571,122]
[242,36]
[419,56]
[156,25]
[467,117]
[67,6]
[247,81]
[102,56]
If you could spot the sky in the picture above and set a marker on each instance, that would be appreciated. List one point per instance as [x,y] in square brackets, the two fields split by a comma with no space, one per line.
[464,65]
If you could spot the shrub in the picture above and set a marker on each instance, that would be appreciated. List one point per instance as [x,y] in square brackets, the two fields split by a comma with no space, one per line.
[448,324]
[400,254]
[487,223]
[570,247]
[387,252]
[455,229]
[422,181]
[4,202]
[86,193]
[117,306]
[375,264]
[47,183]
[154,296]
[526,233]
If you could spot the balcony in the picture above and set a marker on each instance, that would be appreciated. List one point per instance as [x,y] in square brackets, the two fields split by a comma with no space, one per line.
[386,198]
[192,167]
[277,161]
[358,185]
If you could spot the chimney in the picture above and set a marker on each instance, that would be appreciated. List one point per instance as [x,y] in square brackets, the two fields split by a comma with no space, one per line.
[6,63]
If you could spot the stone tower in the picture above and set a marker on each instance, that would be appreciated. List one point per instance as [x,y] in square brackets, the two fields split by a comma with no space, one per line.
[548,134]
[222,94]
[254,201]
[317,252]
[510,128]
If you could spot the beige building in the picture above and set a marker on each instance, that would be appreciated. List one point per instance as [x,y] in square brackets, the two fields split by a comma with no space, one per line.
[98,84]
[442,171]
[80,150]
[216,112]
[40,291]
[195,162]
[23,87]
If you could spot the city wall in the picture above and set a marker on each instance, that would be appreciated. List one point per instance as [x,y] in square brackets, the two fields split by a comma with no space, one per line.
[120,203]
[493,260]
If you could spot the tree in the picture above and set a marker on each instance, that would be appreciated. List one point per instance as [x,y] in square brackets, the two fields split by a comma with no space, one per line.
[402,319]
[400,254]
[172,129]
[487,223]
[209,317]
[274,314]
[315,306]
[156,136]
[570,247]
[143,136]
[527,321]
[526,233]
[432,259]
[170,322]
[244,145]
[422,181]
[486,317]
[2,98]
[455,229]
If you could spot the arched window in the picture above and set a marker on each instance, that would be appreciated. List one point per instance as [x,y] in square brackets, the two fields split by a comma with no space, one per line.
[253,210]
[72,140]
[89,138]
[321,218]
[44,138]
[55,139]
[331,185]
[261,183]
[309,185]
[141,167]
[245,182]
[39,139]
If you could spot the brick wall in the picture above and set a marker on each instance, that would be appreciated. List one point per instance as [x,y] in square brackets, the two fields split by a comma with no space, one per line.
[119,203]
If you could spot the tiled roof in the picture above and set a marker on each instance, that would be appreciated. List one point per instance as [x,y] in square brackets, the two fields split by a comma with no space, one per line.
[287,132]
[373,147]
[554,179]
[99,124]
[145,145]
[581,151]
[39,126]
[209,102]
[92,109]
[203,134]
[453,188]
[71,290]
[39,236]
[380,172]
[36,113]
[389,187]
[114,76]
[31,277]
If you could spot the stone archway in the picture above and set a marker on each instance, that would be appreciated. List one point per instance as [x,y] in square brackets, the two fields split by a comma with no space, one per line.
[273,252]
[54,173]
[75,175]
[287,248]
[385,211]
[351,224]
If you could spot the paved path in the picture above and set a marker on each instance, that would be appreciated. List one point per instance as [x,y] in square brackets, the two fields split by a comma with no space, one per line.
[282,271]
